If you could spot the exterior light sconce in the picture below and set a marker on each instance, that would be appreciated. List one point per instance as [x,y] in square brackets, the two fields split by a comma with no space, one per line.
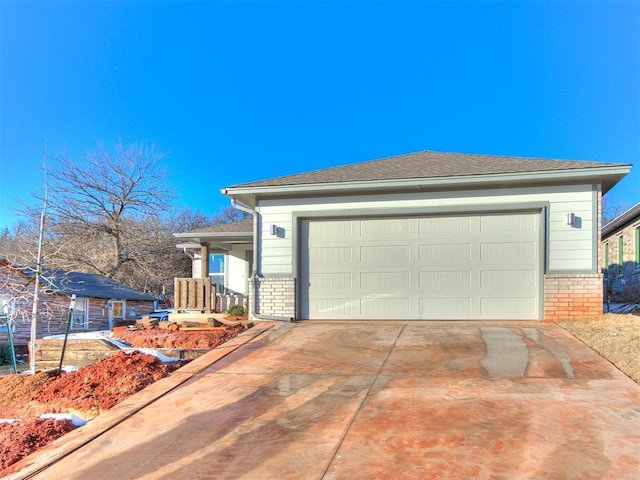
[273,229]
[571,219]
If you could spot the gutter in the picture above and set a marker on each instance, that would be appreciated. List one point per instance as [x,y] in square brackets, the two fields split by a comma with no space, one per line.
[254,269]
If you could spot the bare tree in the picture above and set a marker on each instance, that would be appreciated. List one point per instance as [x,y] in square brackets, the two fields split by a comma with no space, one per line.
[228,214]
[100,208]
[611,211]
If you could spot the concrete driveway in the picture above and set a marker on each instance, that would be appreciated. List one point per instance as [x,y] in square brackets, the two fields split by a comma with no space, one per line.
[370,400]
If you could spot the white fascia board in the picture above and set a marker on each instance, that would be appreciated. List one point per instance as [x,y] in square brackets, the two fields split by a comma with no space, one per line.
[220,237]
[188,246]
[591,174]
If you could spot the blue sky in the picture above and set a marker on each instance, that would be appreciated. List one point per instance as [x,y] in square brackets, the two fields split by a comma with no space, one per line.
[237,91]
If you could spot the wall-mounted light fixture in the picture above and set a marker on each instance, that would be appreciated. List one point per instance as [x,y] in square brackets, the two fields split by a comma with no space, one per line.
[273,229]
[571,219]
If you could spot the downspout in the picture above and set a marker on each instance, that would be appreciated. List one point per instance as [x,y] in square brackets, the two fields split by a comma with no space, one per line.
[254,268]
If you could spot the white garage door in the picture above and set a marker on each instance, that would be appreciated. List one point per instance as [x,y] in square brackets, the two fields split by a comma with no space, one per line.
[440,267]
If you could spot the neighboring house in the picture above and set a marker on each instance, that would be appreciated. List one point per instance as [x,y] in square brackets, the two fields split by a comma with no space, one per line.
[224,253]
[101,303]
[621,256]
[423,236]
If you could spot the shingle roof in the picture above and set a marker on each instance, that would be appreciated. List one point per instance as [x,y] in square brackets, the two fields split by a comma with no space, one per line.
[426,164]
[86,285]
[241,226]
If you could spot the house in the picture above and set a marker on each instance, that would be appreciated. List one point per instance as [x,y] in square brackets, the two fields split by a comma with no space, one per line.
[426,235]
[621,256]
[100,303]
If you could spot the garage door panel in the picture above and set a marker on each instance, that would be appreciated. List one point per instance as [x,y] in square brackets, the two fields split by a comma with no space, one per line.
[341,228]
[444,252]
[332,307]
[443,226]
[508,250]
[508,278]
[374,280]
[442,267]
[385,307]
[385,253]
[509,224]
[445,279]
[374,227]
[453,307]
[506,307]
[331,254]
[335,280]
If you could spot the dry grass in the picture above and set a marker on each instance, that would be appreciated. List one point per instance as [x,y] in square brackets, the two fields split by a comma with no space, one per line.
[614,336]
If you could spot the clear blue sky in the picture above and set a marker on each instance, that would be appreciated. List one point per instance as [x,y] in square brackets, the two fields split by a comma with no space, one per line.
[238,91]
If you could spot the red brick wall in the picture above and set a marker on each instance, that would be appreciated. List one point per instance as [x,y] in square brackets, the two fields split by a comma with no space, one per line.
[572,296]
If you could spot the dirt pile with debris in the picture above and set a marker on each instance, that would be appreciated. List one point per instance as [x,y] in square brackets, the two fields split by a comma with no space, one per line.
[173,336]
[89,390]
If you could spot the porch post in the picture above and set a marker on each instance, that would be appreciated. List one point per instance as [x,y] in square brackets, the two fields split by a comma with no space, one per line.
[204,260]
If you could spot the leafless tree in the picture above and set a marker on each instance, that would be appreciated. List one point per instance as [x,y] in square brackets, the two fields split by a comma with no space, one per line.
[228,214]
[611,211]
[111,213]
[100,208]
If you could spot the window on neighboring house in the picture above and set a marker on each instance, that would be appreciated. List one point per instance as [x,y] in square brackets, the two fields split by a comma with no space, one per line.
[7,305]
[620,254]
[118,309]
[638,247]
[607,262]
[80,316]
[216,270]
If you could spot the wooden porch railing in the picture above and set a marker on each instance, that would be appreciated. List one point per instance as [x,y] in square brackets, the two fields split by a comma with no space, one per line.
[194,294]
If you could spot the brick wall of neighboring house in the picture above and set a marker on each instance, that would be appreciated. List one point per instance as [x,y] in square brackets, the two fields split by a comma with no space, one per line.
[623,282]
[569,296]
[275,298]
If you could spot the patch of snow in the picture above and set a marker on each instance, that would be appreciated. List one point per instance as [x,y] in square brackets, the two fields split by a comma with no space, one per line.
[77,421]
[160,356]
[98,334]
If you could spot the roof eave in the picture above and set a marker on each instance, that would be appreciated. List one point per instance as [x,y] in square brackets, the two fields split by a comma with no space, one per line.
[608,176]
[219,237]
[623,220]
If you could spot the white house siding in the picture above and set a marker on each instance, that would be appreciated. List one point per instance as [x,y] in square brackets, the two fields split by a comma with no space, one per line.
[569,249]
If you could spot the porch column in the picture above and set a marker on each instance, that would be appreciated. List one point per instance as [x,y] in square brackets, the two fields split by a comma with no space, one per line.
[204,260]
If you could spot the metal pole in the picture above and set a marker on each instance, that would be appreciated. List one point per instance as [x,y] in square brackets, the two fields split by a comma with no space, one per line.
[10,338]
[66,331]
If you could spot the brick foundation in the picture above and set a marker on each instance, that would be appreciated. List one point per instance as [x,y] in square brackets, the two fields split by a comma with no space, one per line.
[572,296]
[276,297]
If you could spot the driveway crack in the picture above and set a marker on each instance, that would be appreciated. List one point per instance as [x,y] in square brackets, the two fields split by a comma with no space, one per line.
[364,400]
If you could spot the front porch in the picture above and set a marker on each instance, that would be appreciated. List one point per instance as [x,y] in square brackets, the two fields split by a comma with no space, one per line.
[198,296]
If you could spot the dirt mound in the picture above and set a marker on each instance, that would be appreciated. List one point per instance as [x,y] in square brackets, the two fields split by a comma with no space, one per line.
[89,390]
[173,337]
[19,439]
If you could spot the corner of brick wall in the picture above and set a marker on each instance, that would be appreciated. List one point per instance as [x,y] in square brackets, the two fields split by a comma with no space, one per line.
[572,296]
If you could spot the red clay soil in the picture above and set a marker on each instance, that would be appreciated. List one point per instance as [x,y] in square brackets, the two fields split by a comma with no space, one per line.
[173,337]
[89,390]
